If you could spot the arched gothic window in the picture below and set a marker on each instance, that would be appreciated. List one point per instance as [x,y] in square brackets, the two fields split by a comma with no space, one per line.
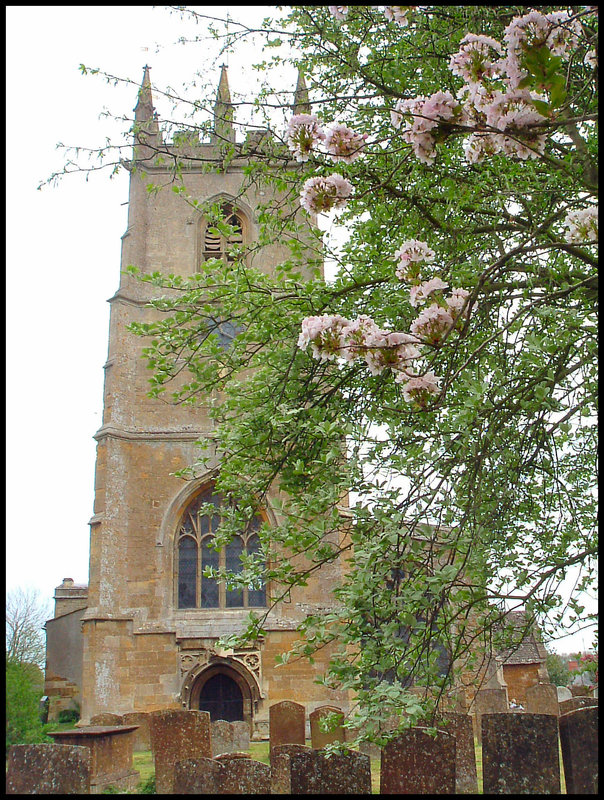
[195,553]
[218,245]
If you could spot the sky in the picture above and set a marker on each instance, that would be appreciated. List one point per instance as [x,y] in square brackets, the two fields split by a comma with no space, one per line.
[63,259]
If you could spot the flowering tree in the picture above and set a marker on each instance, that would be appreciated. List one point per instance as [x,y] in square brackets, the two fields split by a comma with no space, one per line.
[444,379]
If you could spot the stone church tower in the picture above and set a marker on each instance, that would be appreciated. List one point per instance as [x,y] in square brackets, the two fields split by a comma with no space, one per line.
[151,622]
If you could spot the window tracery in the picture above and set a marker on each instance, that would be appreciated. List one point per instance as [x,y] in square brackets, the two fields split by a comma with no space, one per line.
[195,553]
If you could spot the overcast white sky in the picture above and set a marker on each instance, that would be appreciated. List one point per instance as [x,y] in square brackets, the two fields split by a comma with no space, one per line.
[63,261]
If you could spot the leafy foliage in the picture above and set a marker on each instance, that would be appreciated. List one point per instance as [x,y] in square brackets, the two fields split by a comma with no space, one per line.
[24,687]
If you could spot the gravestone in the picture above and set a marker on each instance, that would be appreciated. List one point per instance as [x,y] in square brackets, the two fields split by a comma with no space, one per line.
[577,702]
[244,775]
[48,769]
[224,757]
[222,737]
[111,748]
[579,690]
[107,719]
[489,701]
[564,693]
[142,735]
[461,726]
[318,737]
[198,776]
[280,766]
[345,773]
[542,699]
[579,744]
[286,723]
[417,763]
[176,736]
[305,772]
[594,694]
[520,754]
[241,735]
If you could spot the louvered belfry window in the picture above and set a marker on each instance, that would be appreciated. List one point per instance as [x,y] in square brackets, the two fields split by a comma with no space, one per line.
[217,245]
[195,553]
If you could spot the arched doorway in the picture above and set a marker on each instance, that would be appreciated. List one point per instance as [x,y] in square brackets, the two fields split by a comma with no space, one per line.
[222,698]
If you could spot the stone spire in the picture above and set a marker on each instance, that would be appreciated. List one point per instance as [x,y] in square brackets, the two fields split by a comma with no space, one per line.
[301,104]
[145,119]
[223,111]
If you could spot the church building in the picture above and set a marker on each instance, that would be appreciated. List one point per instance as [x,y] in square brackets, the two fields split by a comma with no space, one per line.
[144,634]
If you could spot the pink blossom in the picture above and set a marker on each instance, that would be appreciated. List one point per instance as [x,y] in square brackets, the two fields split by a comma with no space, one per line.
[512,109]
[356,336]
[303,134]
[479,145]
[390,350]
[411,253]
[338,12]
[323,334]
[473,61]
[420,294]
[523,33]
[457,301]
[418,389]
[344,144]
[564,34]
[397,14]
[581,225]
[432,324]
[324,193]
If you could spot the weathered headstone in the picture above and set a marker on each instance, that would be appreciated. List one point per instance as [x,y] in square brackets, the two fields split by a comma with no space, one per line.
[176,736]
[489,701]
[345,773]
[142,735]
[281,768]
[198,776]
[241,735]
[542,699]
[106,719]
[286,723]
[416,762]
[461,726]
[244,776]
[594,694]
[577,702]
[305,772]
[579,690]
[48,769]
[222,737]
[111,748]
[564,693]
[520,754]
[579,743]
[318,737]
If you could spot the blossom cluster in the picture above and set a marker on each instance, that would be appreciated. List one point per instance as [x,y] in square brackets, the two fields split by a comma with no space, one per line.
[397,14]
[581,225]
[324,193]
[494,100]
[332,336]
[338,12]
[303,134]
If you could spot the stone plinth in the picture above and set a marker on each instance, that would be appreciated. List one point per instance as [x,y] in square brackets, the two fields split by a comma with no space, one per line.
[489,701]
[577,702]
[542,699]
[177,736]
[142,736]
[280,758]
[111,748]
[418,763]
[48,769]
[319,738]
[244,776]
[286,723]
[579,743]
[198,776]
[520,754]
[462,728]
[108,719]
